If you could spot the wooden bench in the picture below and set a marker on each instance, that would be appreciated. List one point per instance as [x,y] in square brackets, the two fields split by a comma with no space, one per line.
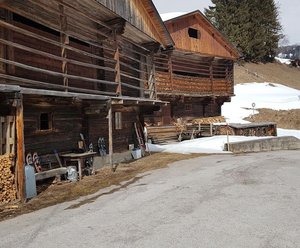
[50,167]
[50,173]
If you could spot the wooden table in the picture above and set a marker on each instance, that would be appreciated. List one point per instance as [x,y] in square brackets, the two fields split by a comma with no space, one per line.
[79,158]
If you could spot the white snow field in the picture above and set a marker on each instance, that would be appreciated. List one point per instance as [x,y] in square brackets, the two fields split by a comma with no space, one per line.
[263,95]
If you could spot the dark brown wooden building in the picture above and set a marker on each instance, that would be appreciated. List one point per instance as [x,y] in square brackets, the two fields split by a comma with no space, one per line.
[197,75]
[75,66]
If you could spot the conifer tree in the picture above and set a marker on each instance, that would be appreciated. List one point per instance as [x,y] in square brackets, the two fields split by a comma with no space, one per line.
[252,25]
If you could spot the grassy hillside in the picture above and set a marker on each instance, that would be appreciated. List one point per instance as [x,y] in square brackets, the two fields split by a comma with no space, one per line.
[271,72]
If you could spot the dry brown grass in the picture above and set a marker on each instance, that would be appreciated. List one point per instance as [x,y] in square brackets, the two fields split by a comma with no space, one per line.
[288,119]
[58,193]
[270,72]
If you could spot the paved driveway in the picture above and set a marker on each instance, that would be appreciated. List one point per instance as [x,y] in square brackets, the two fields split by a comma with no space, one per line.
[221,201]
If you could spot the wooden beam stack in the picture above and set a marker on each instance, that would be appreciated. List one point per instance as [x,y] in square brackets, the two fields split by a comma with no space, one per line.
[7,179]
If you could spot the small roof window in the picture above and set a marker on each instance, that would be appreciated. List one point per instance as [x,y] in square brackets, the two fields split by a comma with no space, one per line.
[194,33]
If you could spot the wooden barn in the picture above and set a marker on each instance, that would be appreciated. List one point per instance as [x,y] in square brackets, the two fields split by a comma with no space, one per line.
[197,75]
[75,66]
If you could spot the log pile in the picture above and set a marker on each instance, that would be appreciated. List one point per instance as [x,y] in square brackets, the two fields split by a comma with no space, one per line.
[163,134]
[7,179]
[209,120]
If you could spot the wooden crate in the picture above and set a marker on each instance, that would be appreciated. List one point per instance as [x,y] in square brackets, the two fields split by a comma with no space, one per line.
[7,135]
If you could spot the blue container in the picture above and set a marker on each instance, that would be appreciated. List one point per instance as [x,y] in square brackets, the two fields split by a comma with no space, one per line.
[30,184]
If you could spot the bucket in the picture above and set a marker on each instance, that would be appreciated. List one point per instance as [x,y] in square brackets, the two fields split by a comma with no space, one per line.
[72,174]
[136,153]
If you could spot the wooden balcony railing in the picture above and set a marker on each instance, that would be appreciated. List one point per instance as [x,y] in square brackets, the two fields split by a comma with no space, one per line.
[191,86]
[93,60]
[177,75]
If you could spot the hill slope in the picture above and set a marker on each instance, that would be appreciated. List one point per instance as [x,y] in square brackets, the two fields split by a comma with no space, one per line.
[271,72]
[274,73]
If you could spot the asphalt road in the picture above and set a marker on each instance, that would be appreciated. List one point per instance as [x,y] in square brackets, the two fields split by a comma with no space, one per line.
[250,200]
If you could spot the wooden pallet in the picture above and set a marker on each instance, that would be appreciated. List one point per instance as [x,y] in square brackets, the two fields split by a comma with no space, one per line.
[7,135]
[163,134]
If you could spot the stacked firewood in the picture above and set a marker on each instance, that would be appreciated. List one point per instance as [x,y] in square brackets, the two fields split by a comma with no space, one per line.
[209,120]
[7,179]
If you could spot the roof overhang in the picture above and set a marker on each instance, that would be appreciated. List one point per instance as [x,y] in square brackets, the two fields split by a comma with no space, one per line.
[120,100]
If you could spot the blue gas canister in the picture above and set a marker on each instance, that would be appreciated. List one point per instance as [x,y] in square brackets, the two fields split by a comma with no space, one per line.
[30,184]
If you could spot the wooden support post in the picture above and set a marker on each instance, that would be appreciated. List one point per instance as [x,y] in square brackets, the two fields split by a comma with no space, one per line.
[211,77]
[142,76]
[20,150]
[64,39]
[151,77]
[154,79]
[118,68]
[227,79]
[170,69]
[110,134]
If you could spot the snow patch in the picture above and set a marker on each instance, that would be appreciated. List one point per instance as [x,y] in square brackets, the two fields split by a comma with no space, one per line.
[264,95]
[283,61]
[171,15]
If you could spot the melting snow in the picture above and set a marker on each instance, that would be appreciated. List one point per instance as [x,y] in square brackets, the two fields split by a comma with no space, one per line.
[283,61]
[263,95]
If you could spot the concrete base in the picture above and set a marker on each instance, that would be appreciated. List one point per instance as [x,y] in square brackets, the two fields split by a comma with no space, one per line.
[100,162]
[262,145]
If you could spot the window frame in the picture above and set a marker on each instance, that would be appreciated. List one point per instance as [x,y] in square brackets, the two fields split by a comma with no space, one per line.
[118,121]
[49,122]
[194,33]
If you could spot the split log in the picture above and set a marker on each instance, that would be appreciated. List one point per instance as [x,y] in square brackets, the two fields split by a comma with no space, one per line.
[7,179]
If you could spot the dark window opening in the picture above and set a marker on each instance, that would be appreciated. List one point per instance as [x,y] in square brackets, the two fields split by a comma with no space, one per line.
[190,74]
[194,33]
[45,121]
[26,21]
[188,107]
[79,42]
[33,24]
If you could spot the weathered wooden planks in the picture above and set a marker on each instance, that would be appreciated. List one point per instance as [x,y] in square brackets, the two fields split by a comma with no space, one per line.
[7,134]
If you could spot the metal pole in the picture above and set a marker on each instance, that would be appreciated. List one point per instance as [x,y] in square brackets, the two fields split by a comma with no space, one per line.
[110,135]
[227,127]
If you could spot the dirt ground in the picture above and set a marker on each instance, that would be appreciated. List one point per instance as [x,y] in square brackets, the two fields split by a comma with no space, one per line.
[65,191]
[271,72]
[287,119]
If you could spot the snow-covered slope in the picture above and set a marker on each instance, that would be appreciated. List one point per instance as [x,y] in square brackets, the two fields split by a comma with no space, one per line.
[264,95]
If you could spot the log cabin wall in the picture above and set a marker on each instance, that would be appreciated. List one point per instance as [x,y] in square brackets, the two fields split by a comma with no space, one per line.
[197,75]
[54,123]
[58,46]
[122,135]
[142,15]
[187,108]
[51,123]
